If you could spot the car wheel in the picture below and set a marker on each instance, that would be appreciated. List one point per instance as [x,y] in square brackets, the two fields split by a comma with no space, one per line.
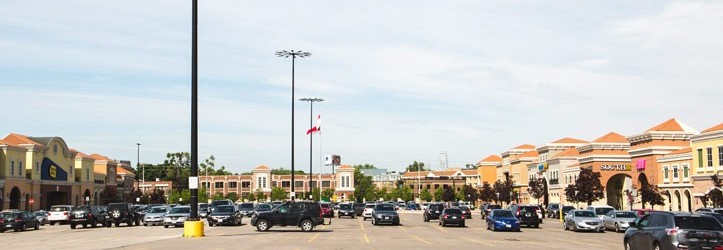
[37,226]
[574,227]
[25,227]
[85,225]
[72,225]
[52,223]
[165,226]
[656,246]
[145,224]
[626,245]
[210,224]
[462,225]
[107,224]
[117,224]
[617,228]
[564,226]
[262,225]
[307,226]
[94,224]
[365,218]
[129,223]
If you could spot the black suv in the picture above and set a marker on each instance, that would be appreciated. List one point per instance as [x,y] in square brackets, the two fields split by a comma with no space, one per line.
[667,230]
[346,209]
[433,211]
[305,215]
[528,215]
[87,215]
[122,212]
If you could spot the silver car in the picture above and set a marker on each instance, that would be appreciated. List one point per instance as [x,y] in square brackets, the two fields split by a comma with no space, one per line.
[583,220]
[618,220]
[177,216]
[154,216]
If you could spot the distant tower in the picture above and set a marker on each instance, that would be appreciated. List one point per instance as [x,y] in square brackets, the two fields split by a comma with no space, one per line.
[443,162]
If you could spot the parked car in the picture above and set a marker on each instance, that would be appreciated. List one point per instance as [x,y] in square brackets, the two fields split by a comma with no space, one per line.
[359,208]
[59,214]
[713,210]
[717,216]
[327,210]
[600,211]
[565,210]
[87,216]
[466,211]
[219,203]
[413,206]
[42,216]
[385,213]
[618,220]
[203,210]
[303,214]
[225,215]
[487,208]
[579,220]
[502,219]
[154,216]
[122,212]
[433,211]
[18,221]
[246,209]
[368,209]
[262,207]
[553,210]
[346,209]
[177,216]
[528,215]
[454,216]
[667,230]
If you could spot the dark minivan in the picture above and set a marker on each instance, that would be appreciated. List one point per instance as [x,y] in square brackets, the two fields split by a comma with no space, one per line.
[453,216]
[667,230]
[433,211]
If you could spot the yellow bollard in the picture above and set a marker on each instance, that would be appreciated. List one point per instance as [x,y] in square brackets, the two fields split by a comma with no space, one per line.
[193,229]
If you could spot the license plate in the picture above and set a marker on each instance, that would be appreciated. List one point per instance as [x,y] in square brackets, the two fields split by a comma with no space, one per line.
[78,216]
[220,220]
[386,218]
[508,226]
[454,217]
[8,225]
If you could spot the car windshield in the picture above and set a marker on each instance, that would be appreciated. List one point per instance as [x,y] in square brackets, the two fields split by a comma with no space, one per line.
[384,207]
[694,222]
[465,208]
[528,209]
[158,210]
[117,206]
[263,207]
[503,214]
[603,210]
[436,207]
[85,209]
[370,206]
[59,209]
[246,206]
[344,206]
[181,210]
[625,215]
[584,214]
[7,215]
[223,209]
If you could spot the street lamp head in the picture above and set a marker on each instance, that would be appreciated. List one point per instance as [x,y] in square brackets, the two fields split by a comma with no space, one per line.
[292,53]
[311,99]
[138,143]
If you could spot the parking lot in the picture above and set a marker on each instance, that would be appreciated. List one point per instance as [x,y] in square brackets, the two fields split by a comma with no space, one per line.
[343,233]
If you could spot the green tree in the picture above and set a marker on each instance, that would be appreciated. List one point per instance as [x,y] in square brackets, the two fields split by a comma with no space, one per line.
[283,171]
[415,166]
[202,195]
[278,194]
[109,195]
[448,194]
[715,195]
[651,194]
[363,187]
[135,194]
[425,195]
[260,196]
[218,196]
[327,194]
[405,193]
[470,194]
[157,197]
[250,196]
[232,196]
[365,166]
[504,189]
[383,193]
[486,193]
[316,193]
[536,188]
[438,194]
[570,193]
[588,186]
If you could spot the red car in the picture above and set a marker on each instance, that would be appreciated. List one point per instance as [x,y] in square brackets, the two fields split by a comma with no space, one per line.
[326,210]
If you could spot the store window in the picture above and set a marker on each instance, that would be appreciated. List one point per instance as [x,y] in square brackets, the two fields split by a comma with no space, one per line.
[12,168]
[232,184]
[286,184]
[246,184]
[685,171]
[665,173]
[709,152]
[218,184]
[720,156]
[298,183]
[675,172]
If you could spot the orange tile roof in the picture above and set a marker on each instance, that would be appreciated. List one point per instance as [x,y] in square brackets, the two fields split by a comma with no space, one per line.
[570,152]
[469,171]
[491,158]
[344,166]
[124,171]
[681,151]
[262,167]
[414,173]
[612,137]
[714,128]
[570,140]
[671,124]
[17,139]
[100,157]
[530,154]
[525,146]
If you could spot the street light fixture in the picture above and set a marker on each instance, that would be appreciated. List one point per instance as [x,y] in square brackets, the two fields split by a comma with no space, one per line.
[498,197]
[138,164]
[293,54]
[311,139]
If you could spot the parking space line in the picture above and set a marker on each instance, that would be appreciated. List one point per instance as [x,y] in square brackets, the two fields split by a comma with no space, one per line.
[442,229]
[366,238]
[403,229]
[361,224]
[420,239]
[314,237]
[477,241]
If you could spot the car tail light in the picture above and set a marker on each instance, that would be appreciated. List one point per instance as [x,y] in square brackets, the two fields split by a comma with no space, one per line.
[463,216]
[671,231]
[321,214]
[65,213]
[18,220]
[445,216]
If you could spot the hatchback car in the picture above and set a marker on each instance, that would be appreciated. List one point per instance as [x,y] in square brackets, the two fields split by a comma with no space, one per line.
[59,214]
[583,220]
[368,209]
[433,211]
[528,215]
[18,221]
[502,219]
[327,210]
[225,215]
[385,213]
[618,220]
[667,230]
[453,216]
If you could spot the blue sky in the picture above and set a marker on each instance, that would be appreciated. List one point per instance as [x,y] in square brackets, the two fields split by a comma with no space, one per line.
[403,80]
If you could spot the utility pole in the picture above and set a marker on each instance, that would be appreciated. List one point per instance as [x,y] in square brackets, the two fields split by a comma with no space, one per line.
[311,140]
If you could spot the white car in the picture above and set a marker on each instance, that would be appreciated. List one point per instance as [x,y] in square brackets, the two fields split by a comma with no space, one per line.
[59,214]
[368,209]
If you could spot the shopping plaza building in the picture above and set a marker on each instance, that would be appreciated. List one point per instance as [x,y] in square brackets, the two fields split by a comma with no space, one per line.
[39,172]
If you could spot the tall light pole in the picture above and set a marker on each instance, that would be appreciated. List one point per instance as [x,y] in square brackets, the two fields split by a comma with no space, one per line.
[194,113]
[138,164]
[311,139]
[293,54]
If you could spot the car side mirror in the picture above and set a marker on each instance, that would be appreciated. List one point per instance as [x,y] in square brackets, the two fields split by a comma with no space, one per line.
[633,224]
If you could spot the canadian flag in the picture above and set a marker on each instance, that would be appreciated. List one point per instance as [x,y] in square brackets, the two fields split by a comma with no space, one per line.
[316,128]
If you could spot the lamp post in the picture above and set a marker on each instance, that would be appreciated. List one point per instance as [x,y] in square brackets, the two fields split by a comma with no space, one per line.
[293,54]
[143,172]
[311,140]
[511,194]
[498,196]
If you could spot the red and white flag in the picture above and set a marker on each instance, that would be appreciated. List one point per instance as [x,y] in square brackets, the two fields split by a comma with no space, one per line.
[316,128]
